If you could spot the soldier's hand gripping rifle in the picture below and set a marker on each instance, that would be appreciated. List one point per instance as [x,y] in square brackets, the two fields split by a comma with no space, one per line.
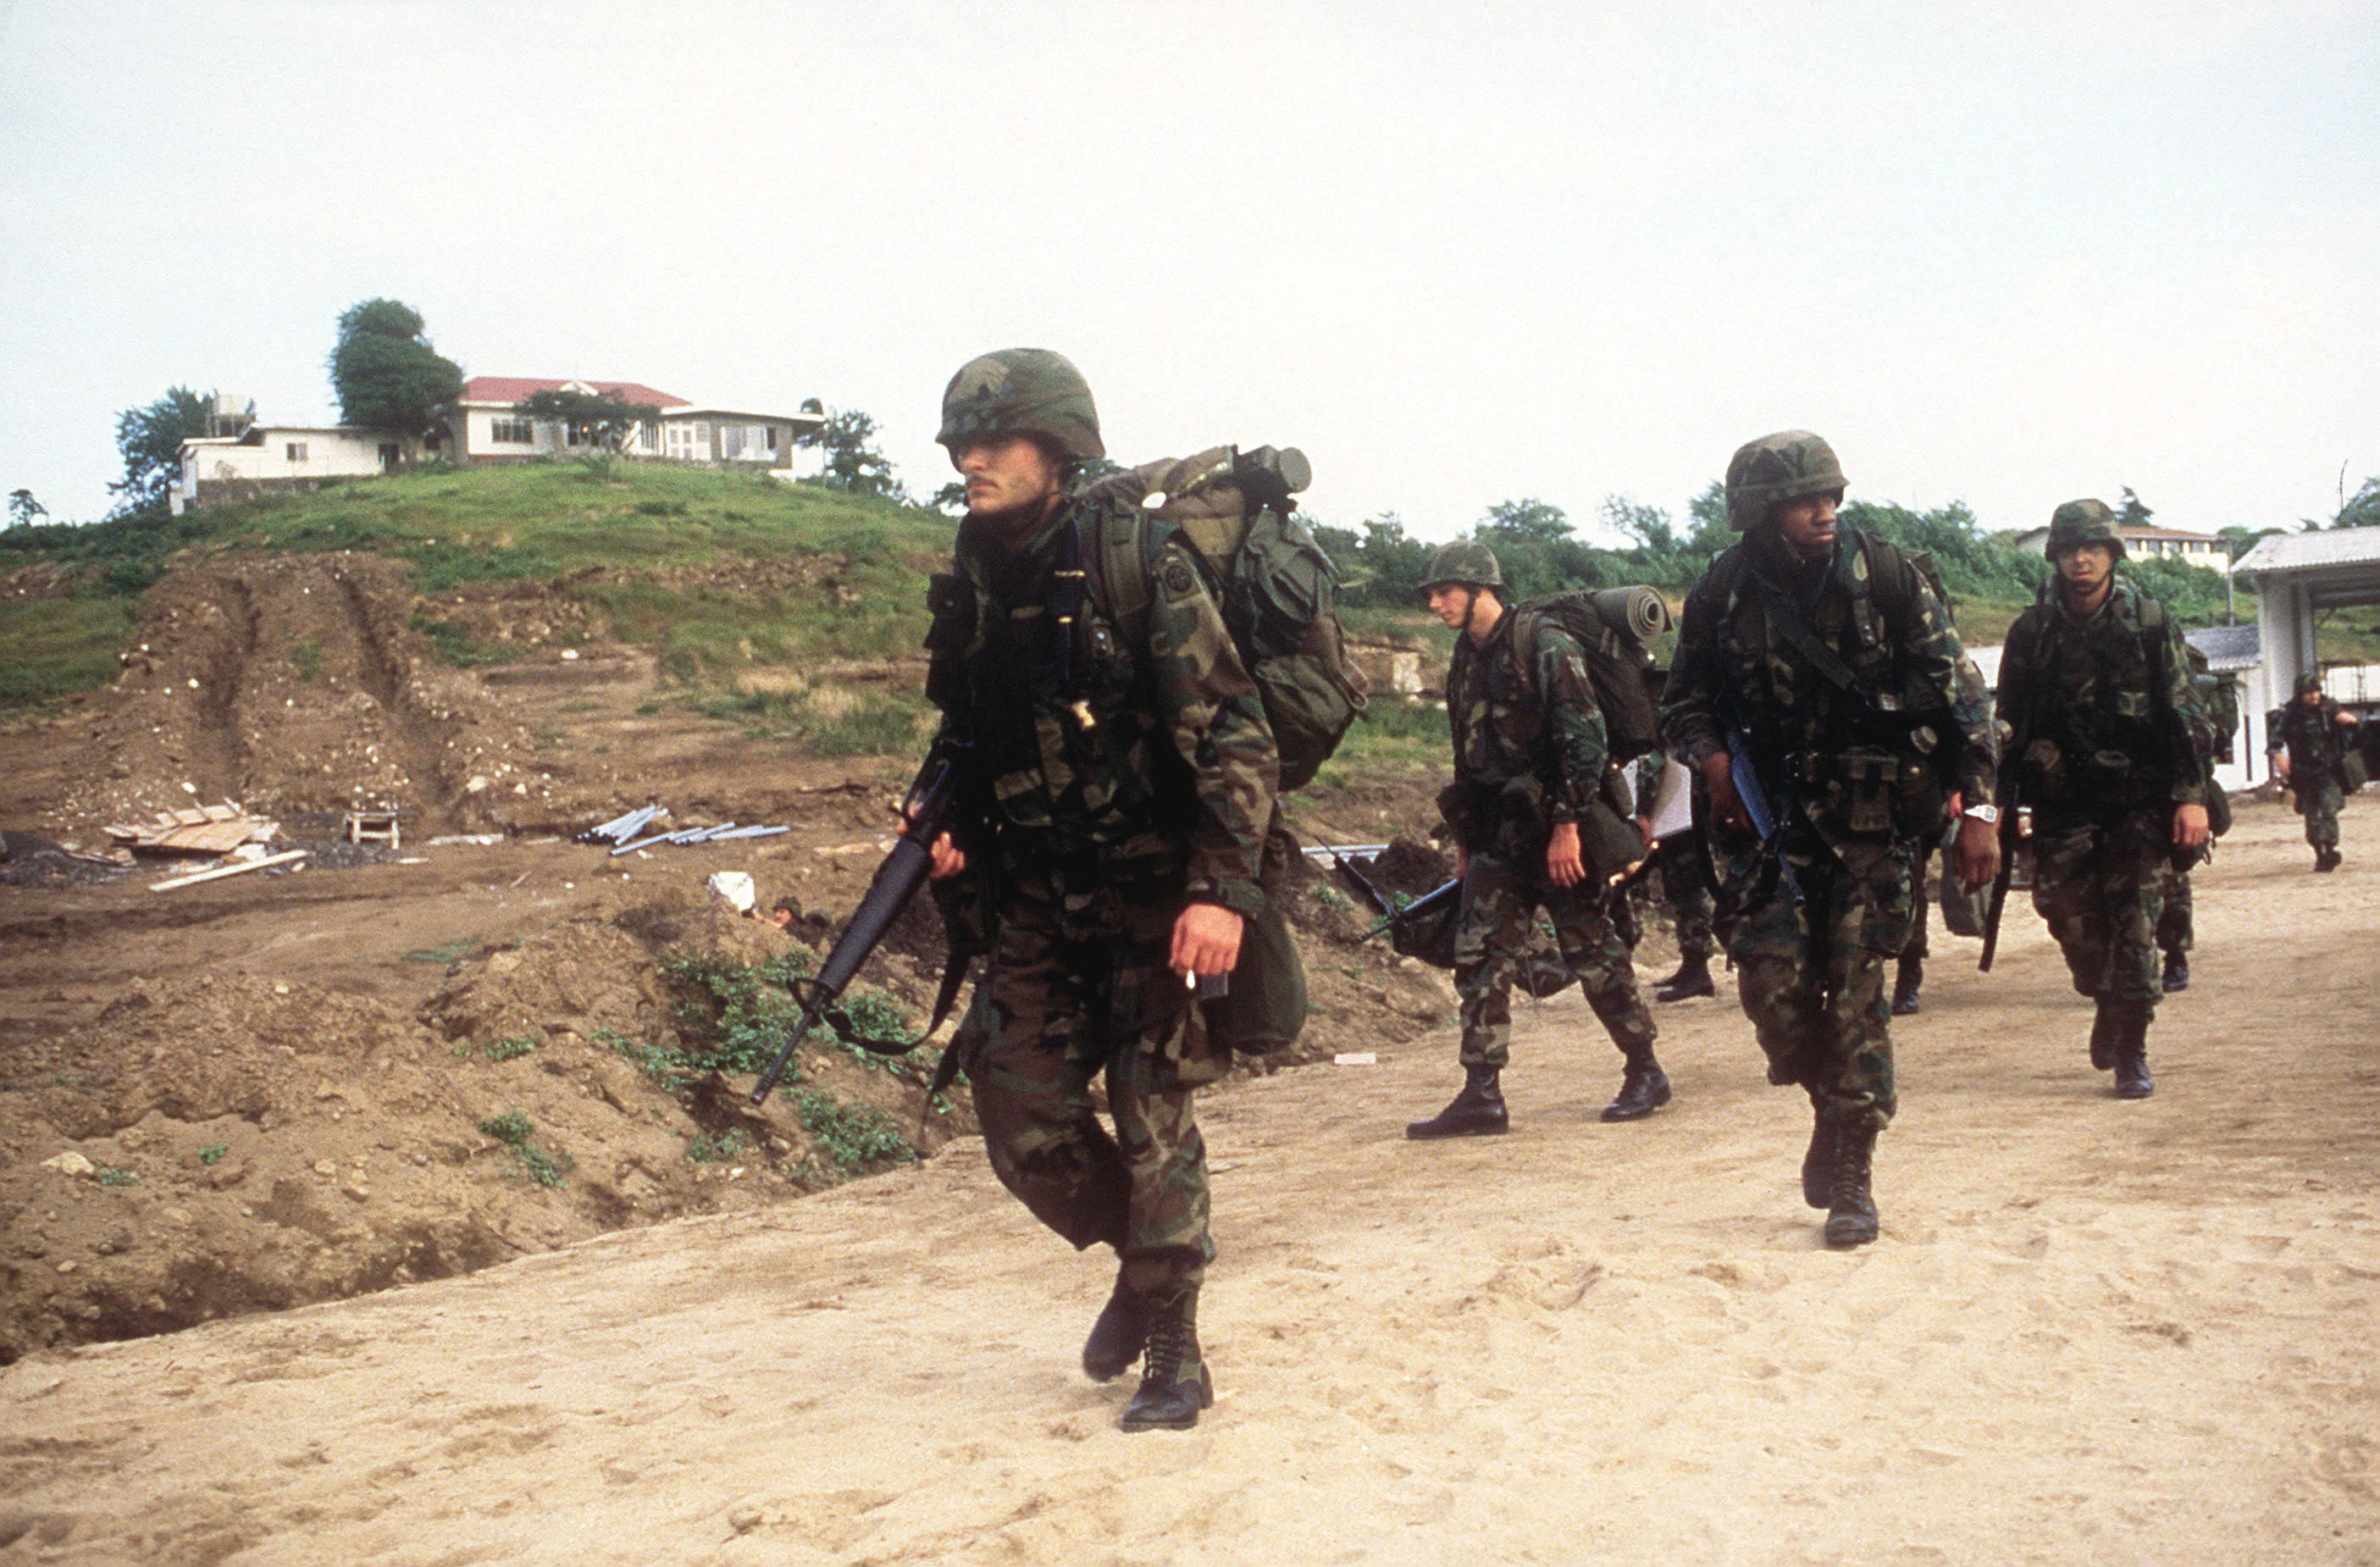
[1764,823]
[2009,838]
[929,810]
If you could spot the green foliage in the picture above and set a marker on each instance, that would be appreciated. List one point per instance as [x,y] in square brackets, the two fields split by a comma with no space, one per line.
[875,1016]
[2194,594]
[2361,510]
[305,658]
[453,646]
[386,374]
[734,1016]
[51,648]
[589,418]
[116,1175]
[1536,550]
[23,510]
[716,1147]
[852,1136]
[867,724]
[511,1048]
[853,462]
[1974,565]
[513,1127]
[213,1153]
[453,952]
[1383,567]
[150,440]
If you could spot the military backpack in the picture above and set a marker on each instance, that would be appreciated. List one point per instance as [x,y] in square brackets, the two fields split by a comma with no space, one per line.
[1278,589]
[1612,625]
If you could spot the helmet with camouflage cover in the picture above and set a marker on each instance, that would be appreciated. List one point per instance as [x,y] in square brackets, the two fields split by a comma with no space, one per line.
[1465,562]
[2083,522]
[1022,392]
[2310,681]
[1775,469]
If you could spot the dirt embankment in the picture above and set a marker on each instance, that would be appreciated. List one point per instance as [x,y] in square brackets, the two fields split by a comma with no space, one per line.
[284,1089]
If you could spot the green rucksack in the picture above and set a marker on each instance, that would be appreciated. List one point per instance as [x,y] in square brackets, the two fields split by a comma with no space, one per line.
[1278,589]
[1613,625]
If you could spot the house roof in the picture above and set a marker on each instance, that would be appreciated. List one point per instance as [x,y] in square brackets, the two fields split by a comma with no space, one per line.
[509,390]
[731,415]
[2228,648]
[2310,550]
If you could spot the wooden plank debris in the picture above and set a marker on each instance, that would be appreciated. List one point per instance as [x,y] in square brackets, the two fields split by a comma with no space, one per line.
[372,827]
[219,872]
[196,830]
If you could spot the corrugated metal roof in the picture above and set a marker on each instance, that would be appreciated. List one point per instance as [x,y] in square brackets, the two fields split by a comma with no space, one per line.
[2228,648]
[2310,550]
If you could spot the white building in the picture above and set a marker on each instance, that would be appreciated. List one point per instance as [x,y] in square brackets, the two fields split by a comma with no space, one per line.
[269,458]
[490,428]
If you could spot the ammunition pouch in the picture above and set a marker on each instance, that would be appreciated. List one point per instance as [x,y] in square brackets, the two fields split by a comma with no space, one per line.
[1265,1008]
[1880,791]
[1459,804]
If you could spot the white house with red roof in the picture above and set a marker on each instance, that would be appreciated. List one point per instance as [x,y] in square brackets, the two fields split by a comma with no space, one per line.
[491,429]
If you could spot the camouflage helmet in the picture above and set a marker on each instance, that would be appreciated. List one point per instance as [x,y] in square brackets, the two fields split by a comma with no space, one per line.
[1022,392]
[2309,681]
[1465,562]
[1775,469]
[2083,522]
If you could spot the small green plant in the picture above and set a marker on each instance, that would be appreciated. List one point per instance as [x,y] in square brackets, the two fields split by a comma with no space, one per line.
[717,1148]
[306,657]
[661,508]
[511,1048]
[512,1127]
[852,1136]
[454,646]
[453,952]
[116,1175]
[1333,899]
[877,1016]
[213,1153]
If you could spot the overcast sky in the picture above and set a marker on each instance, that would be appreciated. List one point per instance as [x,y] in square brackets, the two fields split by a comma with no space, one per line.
[1458,252]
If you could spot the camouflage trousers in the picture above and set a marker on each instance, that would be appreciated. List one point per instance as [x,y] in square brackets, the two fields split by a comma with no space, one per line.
[1926,854]
[2175,928]
[1686,886]
[1492,936]
[2100,883]
[2319,804]
[1077,987]
[1810,975]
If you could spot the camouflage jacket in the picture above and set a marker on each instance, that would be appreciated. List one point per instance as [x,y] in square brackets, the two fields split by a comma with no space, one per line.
[1076,746]
[2316,740]
[2103,713]
[1864,739]
[1536,726]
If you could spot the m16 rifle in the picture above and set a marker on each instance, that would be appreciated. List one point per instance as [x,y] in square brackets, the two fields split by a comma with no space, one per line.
[928,812]
[1765,824]
[2010,831]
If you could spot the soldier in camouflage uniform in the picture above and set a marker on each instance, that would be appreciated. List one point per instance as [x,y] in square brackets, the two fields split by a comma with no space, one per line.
[1818,659]
[1120,800]
[2094,684]
[2176,927]
[2308,742]
[1529,756]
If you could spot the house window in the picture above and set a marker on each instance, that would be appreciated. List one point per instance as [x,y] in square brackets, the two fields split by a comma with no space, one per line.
[772,438]
[512,432]
[731,442]
[297,451]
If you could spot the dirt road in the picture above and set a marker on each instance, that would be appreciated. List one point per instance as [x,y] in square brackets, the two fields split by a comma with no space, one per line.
[2092,1332]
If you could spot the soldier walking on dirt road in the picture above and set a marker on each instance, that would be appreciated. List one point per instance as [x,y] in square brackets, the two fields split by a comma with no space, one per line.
[1821,690]
[1121,789]
[2103,749]
[2310,742]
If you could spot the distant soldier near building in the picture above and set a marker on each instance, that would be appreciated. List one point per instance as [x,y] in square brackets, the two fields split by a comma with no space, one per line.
[2095,684]
[2176,926]
[2310,742]
[1818,690]
[1530,759]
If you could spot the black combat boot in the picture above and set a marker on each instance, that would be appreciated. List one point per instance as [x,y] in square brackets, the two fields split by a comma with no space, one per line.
[2176,972]
[1477,1112]
[1693,979]
[2326,859]
[2103,1037]
[1118,1337]
[1818,1164]
[1850,1211]
[2132,1044]
[1905,982]
[1643,1087]
[1175,1385]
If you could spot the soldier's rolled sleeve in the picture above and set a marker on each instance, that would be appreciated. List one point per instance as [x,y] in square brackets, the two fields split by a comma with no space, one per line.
[1575,731]
[1216,721]
[1690,725]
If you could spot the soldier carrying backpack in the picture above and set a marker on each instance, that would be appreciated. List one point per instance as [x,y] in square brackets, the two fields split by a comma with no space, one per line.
[1537,820]
[1112,663]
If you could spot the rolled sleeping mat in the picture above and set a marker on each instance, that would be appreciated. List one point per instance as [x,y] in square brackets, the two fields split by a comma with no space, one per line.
[1640,612]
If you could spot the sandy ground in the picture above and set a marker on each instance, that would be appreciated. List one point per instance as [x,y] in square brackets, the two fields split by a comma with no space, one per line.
[2092,1332]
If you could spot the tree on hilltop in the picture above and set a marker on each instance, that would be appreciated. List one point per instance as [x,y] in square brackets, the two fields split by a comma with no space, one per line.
[589,418]
[853,462]
[386,374]
[151,439]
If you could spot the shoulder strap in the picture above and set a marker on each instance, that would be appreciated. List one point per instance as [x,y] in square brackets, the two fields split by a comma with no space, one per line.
[1118,555]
